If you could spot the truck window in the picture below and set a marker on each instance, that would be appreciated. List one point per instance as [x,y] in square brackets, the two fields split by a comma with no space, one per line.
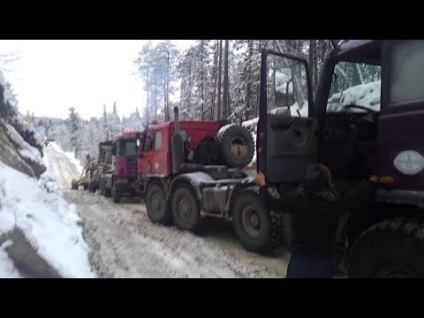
[148,143]
[355,84]
[407,72]
[287,89]
[130,148]
[158,140]
[127,148]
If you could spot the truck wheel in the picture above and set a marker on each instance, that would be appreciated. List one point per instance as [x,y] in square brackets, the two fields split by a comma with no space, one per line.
[92,187]
[74,185]
[391,249]
[236,145]
[258,230]
[186,209]
[85,186]
[116,193]
[107,192]
[156,204]
[102,188]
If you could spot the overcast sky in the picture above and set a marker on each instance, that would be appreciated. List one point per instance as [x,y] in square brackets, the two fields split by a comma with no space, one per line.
[53,75]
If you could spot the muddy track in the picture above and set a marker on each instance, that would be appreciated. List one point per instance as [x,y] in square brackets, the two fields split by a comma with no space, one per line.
[124,243]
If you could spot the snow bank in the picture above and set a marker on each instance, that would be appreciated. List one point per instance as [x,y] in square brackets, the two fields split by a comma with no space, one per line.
[48,222]
[24,149]
[70,155]
[56,147]
[26,124]
[74,160]
[7,269]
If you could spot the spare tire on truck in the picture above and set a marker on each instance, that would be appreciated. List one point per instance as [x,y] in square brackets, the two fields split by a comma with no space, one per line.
[236,146]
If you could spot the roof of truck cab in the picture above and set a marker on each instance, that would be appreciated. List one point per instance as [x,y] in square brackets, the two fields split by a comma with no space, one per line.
[130,135]
[185,124]
[360,51]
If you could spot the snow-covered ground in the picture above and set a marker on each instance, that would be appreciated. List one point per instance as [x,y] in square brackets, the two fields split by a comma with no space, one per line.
[49,223]
[7,268]
[24,149]
[70,155]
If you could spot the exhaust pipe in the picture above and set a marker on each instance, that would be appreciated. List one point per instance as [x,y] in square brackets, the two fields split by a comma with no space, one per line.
[176,120]
[177,144]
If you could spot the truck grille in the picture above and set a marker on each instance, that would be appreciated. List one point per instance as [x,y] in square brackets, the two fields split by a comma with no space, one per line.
[132,167]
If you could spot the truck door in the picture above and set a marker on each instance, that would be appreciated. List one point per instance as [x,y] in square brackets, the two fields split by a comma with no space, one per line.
[145,161]
[401,126]
[286,140]
[154,156]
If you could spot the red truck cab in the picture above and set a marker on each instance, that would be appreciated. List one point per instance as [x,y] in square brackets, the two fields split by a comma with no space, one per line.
[155,155]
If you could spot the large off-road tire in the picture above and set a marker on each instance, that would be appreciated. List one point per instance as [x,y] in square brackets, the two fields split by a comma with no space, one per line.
[85,186]
[390,249]
[258,229]
[102,188]
[186,209]
[156,204]
[74,185]
[104,191]
[107,192]
[236,146]
[92,187]
[340,258]
[116,193]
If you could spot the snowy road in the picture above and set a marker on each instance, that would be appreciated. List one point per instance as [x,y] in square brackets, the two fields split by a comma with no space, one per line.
[125,244]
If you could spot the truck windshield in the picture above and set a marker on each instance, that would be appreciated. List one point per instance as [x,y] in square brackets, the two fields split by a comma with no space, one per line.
[127,148]
[355,84]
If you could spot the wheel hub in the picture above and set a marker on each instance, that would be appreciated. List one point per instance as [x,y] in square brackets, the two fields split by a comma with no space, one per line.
[157,202]
[238,148]
[251,221]
[184,208]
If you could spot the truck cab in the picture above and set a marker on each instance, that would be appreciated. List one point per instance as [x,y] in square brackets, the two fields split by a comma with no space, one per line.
[365,123]
[121,180]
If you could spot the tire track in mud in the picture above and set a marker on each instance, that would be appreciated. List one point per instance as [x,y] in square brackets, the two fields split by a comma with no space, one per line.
[125,244]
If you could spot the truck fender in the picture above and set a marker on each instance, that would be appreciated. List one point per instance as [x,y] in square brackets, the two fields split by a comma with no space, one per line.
[196,179]
[236,191]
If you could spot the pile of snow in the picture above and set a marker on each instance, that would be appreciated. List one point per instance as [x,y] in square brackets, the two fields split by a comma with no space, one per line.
[70,155]
[48,222]
[23,148]
[367,95]
[7,269]
[27,125]
[75,161]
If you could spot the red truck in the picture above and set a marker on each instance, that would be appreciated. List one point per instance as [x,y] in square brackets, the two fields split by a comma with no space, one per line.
[191,169]
[120,178]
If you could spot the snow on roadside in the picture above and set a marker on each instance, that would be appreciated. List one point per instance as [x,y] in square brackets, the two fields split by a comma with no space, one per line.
[7,268]
[70,155]
[24,149]
[74,160]
[49,223]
